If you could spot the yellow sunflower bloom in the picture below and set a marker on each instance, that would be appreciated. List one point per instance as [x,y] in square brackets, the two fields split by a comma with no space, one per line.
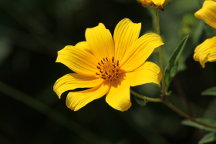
[107,65]
[208,12]
[153,3]
[206,51]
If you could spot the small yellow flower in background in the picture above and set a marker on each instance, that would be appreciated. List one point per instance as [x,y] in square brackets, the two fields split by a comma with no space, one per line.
[153,3]
[206,51]
[208,12]
[108,65]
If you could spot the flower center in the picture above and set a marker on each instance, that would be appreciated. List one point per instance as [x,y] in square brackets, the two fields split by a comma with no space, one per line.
[109,69]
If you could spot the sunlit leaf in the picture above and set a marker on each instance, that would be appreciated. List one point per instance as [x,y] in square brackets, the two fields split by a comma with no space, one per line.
[173,65]
[206,121]
[211,91]
[210,137]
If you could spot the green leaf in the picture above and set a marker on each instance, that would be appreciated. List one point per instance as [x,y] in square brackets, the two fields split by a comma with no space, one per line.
[173,65]
[211,91]
[206,121]
[210,137]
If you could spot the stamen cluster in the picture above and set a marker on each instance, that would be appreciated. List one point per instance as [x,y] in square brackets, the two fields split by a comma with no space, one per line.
[109,69]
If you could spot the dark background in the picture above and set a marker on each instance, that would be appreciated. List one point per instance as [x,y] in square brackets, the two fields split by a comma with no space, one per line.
[31,33]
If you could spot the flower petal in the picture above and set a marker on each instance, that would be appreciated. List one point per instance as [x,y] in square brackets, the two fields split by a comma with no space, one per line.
[159,3]
[206,51]
[82,45]
[154,3]
[77,100]
[147,73]
[72,81]
[100,41]
[78,59]
[208,13]
[119,96]
[125,34]
[146,2]
[138,53]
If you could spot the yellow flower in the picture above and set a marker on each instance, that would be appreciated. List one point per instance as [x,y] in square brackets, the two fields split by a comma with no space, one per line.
[208,13]
[108,65]
[153,3]
[206,51]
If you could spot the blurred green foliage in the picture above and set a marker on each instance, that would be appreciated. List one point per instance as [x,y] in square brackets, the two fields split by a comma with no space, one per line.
[210,137]
[210,91]
[31,33]
[173,65]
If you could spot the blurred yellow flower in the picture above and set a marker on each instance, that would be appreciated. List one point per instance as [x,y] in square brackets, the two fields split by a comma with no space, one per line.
[108,65]
[153,3]
[206,51]
[208,12]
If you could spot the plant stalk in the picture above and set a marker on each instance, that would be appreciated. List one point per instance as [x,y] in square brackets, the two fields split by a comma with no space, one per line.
[145,98]
[156,24]
[185,115]
[173,108]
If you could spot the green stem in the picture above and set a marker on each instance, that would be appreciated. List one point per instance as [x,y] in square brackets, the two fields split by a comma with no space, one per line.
[51,113]
[145,98]
[156,20]
[172,107]
[185,115]
[156,24]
